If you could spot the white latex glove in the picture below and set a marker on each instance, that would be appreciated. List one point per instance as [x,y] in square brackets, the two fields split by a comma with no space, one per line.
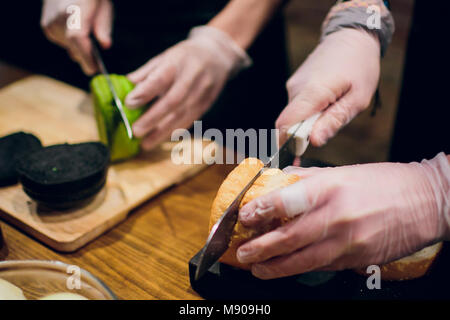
[95,16]
[185,80]
[341,74]
[349,217]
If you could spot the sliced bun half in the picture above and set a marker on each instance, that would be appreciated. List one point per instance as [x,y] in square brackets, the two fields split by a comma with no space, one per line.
[410,267]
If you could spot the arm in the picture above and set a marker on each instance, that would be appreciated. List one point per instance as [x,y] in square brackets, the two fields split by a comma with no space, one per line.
[186,79]
[341,75]
[242,20]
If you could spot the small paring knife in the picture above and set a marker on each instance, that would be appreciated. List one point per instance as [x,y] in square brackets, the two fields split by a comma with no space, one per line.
[104,71]
[221,232]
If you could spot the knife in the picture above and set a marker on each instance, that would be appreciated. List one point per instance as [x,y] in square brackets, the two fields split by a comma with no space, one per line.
[117,102]
[221,232]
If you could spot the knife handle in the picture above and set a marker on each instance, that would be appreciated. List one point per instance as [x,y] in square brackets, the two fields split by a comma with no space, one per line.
[302,135]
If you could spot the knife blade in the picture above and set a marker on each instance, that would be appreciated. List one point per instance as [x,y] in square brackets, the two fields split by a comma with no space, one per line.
[221,232]
[99,60]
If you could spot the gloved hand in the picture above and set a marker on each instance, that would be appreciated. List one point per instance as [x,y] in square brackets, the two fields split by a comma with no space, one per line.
[95,16]
[349,217]
[185,80]
[341,74]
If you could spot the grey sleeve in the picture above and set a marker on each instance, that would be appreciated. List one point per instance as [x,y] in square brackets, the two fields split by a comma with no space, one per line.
[371,15]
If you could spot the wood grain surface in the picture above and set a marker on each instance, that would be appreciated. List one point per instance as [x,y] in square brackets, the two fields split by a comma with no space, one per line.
[59,113]
[147,255]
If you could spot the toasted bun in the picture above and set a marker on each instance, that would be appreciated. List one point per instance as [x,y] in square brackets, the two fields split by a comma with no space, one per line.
[410,267]
[270,180]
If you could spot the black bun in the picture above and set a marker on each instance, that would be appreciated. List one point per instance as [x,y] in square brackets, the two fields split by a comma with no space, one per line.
[63,176]
[12,148]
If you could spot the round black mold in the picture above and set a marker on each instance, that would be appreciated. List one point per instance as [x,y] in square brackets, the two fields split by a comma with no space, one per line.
[12,148]
[64,176]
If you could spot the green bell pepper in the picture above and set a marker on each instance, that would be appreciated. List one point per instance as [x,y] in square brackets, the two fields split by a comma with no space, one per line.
[111,129]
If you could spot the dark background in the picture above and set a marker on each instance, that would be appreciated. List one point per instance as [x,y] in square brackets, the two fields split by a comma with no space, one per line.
[142,30]
[365,139]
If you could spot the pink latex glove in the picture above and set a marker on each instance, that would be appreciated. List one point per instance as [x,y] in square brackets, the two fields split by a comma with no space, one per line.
[349,217]
[185,80]
[95,16]
[341,74]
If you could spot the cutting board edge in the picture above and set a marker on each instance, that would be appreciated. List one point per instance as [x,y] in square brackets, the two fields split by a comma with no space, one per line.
[38,77]
[71,245]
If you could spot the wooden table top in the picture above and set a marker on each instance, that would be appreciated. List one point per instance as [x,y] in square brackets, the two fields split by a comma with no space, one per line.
[146,256]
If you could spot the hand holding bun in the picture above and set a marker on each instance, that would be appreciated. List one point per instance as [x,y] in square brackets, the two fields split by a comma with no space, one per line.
[270,180]
[333,219]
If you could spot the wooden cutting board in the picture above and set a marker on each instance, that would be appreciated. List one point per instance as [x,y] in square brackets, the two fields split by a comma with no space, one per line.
[58,113]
